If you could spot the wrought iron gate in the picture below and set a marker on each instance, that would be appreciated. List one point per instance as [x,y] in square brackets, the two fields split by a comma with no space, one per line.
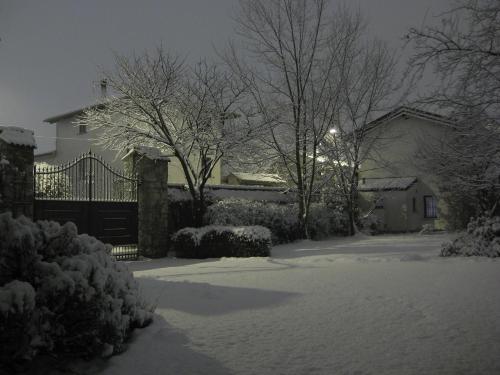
[99,199]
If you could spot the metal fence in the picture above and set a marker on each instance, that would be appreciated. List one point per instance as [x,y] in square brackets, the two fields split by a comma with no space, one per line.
[87,178]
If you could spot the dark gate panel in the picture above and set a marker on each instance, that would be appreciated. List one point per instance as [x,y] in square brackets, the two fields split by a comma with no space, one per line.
[110,222]
[114,222]
[100,200]
[63,211]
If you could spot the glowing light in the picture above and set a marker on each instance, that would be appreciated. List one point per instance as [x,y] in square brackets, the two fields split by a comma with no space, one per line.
[333,131]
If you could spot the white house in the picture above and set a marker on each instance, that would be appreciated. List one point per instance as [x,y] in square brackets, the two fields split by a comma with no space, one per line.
[73,140]
[392,183]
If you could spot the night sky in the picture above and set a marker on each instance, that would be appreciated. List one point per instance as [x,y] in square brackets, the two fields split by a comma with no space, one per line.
[52,51]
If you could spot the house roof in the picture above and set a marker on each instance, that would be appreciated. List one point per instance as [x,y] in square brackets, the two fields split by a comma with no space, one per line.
[17,136]
[62,116]
[258,177]
[386,183]
[410,112]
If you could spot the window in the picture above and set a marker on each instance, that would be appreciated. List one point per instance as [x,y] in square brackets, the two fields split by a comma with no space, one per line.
[414,204]
[379,202]
[82,129]
[430,206]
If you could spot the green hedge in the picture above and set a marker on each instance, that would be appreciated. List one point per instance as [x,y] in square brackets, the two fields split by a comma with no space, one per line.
[220,241]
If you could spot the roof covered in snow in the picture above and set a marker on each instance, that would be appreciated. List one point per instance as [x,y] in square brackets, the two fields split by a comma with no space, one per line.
[73,113]
[149,152]
[386,184]
[17,136]
[256,178]
[410,112]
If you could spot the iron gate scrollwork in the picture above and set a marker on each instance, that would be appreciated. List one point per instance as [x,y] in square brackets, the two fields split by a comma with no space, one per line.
[99,199]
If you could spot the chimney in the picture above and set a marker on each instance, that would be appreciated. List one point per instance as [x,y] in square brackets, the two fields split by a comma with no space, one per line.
[104,88]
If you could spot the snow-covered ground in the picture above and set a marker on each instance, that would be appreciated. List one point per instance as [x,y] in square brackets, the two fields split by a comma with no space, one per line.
[364,305]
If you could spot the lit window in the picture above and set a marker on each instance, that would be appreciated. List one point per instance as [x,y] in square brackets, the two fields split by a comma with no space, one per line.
[430,206]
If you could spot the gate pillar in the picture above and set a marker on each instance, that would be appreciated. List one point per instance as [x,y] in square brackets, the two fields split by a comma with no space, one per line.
[152,200]
[16,170]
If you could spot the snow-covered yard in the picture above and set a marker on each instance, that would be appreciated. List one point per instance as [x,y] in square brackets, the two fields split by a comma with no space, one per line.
[364,305]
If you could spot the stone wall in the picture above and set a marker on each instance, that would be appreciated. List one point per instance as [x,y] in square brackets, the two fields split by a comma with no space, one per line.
[152,201]
[16,178]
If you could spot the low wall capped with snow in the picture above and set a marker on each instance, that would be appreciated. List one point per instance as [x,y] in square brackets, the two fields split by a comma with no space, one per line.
[15,136]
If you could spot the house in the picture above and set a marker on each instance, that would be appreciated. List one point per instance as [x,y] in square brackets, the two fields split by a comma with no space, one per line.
[393,186]
[73,140]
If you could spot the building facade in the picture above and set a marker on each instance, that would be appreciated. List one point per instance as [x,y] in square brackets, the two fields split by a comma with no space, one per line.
[394,184]
[73,140]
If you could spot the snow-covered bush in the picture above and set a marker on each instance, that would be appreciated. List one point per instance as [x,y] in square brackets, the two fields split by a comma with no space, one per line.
[371,223]
[426,229]
[219,241]
[281,219]
[481,238]
[62,294]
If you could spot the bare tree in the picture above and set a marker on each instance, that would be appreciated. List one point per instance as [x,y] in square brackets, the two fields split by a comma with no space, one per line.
[464,54]
[290,51]
[187,112]
[309,72]
[367,88]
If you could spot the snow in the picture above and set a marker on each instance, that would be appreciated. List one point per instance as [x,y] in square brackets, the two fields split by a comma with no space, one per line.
[179,192]
[249,233]
[149,152]
[387,183]
[17,136]
[258,177]
[362,305]
[16,297]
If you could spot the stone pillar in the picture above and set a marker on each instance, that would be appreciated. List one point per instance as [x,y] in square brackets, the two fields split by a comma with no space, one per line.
[152,199]
[16,170]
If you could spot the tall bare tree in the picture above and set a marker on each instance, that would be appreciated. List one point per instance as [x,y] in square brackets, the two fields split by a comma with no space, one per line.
[367,82]
[464,54]
[309,73]
[289,51]
[188,112]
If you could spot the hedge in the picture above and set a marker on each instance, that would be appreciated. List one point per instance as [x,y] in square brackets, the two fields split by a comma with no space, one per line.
[221,241]
[281,219]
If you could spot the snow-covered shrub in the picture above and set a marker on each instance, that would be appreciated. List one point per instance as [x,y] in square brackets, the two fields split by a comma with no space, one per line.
[482,238]
[62,293]
[371,223]
[186,243]
[281,219]
[426,229]
[219,241]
